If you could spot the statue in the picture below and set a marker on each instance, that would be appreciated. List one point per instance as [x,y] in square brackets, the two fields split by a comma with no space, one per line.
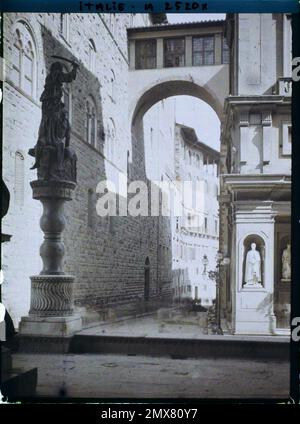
[54,159]
[286,263]
[253,267]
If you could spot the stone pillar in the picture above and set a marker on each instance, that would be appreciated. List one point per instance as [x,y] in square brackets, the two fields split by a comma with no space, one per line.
[160,53]
[51,309]
[188,50]
[253,311]
[287,46]
[218,49]
[267,137]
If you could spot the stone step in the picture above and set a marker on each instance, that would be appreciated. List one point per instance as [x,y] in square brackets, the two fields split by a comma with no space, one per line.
[206,347]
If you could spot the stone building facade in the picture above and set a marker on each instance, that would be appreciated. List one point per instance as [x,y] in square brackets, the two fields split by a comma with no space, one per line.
[115,259]
[195,238]
[255,205]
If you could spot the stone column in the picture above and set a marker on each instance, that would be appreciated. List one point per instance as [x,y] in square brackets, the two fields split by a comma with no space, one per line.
[189,50]
[51,308]
[160,53]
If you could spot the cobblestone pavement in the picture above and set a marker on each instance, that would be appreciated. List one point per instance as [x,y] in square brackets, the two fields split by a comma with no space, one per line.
[113,376]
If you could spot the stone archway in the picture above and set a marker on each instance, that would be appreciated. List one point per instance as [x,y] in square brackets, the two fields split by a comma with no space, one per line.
[148,95]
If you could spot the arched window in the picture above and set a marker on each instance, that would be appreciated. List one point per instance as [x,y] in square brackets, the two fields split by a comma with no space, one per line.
[17,58]
[92,55]
[91,122]
[23,73]
[19,179]
[64,26]
[197,161]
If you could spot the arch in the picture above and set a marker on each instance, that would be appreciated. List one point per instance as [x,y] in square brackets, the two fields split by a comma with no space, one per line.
[159,91]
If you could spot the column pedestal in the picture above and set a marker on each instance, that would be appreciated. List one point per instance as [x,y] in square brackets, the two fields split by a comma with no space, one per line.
[51,309]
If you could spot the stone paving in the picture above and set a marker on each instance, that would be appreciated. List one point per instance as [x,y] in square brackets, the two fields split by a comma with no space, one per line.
[175,327]
[115,376]
[149,326]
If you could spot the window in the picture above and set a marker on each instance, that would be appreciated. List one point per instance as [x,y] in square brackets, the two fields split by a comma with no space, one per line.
[28,58]
[196,292]
[145,54]
[205,225]
[19,179]
[290,134]
[92,55]
[174,52]
[286,144]
[91,121]
[203,50]
[16,59]
[225,51]
[216,226]
[64,26]
[23,73]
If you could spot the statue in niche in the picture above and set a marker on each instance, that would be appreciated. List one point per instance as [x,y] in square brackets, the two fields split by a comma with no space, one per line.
[54,158]
[286,263]
[253,267]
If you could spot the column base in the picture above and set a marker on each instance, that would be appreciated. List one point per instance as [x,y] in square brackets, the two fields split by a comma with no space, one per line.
[50,326]
[257,326]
